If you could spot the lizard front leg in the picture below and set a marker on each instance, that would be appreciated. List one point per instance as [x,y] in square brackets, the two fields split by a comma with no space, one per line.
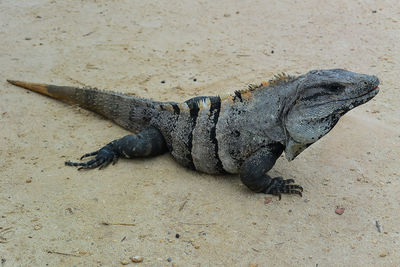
[254,173]
[148,142]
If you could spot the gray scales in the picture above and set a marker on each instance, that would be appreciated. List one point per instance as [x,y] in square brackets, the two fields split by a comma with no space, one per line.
[243,133]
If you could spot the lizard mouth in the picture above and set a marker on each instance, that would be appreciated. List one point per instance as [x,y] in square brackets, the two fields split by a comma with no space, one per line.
[374,89]
[362,98]
[357,100]
[369,95]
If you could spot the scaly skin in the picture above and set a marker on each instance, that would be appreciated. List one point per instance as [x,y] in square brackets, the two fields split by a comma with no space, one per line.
[244,133]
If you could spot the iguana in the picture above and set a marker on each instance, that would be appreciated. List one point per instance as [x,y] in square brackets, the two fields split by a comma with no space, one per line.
[242,133]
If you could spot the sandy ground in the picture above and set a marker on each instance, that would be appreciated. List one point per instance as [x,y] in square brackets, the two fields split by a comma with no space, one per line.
[51,215]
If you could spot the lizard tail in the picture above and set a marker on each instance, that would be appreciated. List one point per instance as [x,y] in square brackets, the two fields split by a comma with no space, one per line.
[132,113]
[63,93]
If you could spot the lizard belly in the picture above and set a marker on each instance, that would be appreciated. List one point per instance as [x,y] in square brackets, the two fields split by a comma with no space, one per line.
[230,164]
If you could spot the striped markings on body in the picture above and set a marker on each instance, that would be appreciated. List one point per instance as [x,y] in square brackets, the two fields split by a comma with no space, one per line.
[192,107]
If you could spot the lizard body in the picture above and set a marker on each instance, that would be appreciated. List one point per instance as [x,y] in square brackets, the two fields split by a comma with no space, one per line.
[243,133]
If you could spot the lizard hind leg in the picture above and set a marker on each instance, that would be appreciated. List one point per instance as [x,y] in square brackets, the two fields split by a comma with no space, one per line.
[148,142]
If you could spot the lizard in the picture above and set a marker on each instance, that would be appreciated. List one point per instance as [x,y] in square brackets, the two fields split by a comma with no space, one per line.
[243,133]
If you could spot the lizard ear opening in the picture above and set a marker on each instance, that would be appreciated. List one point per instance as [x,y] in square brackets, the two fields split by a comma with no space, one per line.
[293,149]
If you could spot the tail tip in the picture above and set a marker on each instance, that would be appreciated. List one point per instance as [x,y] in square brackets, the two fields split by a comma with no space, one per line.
[14,82]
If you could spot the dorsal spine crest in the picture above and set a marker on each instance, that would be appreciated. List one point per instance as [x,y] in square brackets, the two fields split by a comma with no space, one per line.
[241,95]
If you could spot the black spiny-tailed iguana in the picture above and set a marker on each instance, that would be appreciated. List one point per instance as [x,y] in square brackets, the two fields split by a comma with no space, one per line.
[243,133]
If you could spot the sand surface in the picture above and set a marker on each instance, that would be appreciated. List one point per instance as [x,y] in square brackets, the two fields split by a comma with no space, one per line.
[52,215]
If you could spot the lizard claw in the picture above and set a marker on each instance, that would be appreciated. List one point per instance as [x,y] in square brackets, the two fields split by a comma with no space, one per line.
[90,154]
[104,157]
[279,186]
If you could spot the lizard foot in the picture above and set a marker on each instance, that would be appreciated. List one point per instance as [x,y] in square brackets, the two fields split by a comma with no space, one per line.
[104,156]
[279,186]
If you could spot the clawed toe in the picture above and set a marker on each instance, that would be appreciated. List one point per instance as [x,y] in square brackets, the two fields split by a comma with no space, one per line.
[279,186]
[103,158]
[294,187]
[288,181]
[89,154]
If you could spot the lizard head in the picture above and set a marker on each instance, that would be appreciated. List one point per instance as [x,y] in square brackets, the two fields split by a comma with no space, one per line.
[322,97]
